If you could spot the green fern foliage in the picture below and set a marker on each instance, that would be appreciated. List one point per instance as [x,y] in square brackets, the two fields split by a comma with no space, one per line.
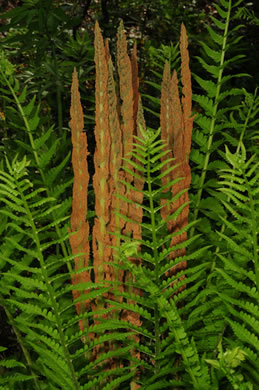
[40,144]
[36,290]
[163,335]
[214,120]
[235,279]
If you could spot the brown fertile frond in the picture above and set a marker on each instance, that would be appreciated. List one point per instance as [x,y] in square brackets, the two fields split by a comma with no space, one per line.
[80,240]
[186,91]
[101,251]
[176,128]
[182,132]
[135,84]
[166,132]
[116,223]
[107,49]
[178,145]
[179,171]
[139,180]
[126,94]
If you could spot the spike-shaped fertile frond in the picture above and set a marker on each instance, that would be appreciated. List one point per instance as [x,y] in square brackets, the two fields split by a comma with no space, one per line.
[101,161]
[176,130]
[79,241]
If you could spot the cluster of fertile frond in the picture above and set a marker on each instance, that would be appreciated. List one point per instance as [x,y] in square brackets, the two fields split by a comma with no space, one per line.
[117,122]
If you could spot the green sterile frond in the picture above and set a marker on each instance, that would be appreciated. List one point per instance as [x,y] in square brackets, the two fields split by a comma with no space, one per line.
[34,309]
[100,340]
[54,223]
[19,266]
[229,93]
[200,139]
[118,381]
[59,189]
[212,53]
[56,366]
[247,319]
[212,69]
[217,164]
[198,158]
[121,352]
[165,240]
[244,334]
[173,263]
[239,286]
[120,324]
[29,107]
[144,301]
[53,173]
[216,37]
[36,299]
[183,346]
[40,141]
[110,373]
[173,284]
[239,271]
[240,184]
[207,104]
[204,121]
[132,308]
[216,121]
[28,283]
[207,85]
[48,155]
[250,307]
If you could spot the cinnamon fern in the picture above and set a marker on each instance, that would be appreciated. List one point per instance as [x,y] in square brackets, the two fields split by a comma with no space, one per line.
[162,291]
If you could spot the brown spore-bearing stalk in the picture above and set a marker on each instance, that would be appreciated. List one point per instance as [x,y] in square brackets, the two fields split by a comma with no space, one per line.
[129,95]
[166,132]
[180,124]
[79,241]
[182,143]
[130,113]
[116,223]
[101,239]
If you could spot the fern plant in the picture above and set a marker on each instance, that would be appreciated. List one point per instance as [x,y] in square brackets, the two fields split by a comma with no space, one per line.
[151,306]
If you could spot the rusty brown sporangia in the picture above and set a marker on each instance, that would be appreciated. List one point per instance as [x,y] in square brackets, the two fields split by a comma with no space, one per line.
[176,128]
